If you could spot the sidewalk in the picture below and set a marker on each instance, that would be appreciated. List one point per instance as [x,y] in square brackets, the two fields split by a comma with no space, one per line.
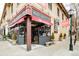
[60,48]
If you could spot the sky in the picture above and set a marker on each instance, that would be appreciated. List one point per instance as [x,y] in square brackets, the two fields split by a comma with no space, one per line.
[67,6]
[1,9]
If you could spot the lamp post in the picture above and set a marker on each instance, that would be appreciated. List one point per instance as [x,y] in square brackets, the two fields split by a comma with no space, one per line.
[71,45]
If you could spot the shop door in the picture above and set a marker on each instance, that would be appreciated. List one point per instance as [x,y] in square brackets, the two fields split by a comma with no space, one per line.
[44,35]
[35,37]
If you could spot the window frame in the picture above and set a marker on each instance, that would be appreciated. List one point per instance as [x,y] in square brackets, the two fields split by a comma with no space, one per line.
[62,16]
[12,8]
[58,12]
[50,6]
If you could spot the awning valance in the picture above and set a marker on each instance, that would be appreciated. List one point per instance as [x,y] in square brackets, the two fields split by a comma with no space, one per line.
[34,18]
[17,22]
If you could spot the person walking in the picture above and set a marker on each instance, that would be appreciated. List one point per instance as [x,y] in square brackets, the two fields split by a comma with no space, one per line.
[1,36]
[75,40]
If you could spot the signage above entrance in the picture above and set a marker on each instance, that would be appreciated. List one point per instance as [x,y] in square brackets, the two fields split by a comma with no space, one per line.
[40,15]
[34,18]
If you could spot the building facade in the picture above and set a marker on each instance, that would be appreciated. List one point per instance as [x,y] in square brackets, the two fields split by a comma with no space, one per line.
[60,20]
[35,22]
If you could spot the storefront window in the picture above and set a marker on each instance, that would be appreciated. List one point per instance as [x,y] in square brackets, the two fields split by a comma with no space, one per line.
[21,30]
[44,31]
[56,24]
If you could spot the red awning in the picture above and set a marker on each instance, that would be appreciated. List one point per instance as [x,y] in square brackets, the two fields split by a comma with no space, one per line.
[34,18]
[20,20]
[17,22]
[12,25]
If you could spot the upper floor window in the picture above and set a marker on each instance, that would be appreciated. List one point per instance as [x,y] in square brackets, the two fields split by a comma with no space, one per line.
[12,8]
[4,14]
[18,4]
[58,12]
[62,16]
[50,6]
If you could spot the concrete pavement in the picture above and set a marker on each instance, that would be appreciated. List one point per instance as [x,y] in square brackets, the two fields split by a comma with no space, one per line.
[60,48]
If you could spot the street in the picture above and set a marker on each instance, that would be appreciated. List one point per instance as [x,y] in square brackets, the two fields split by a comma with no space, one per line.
[60,48]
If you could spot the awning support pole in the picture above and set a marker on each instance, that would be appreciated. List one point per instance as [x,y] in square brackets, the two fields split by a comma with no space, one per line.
[28,32]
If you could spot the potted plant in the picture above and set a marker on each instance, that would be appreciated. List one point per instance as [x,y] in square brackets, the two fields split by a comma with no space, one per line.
[64,36]
[60,37]
[4,37]
[8,35]
[52,37]
[14,37]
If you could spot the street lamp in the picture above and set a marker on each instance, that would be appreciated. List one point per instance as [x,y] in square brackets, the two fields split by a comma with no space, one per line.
[71,12]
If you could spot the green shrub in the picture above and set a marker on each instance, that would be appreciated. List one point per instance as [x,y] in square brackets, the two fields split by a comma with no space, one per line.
[4,37]
[9,35]
[60,37]
[14,36]
[52,37]
[64,36]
